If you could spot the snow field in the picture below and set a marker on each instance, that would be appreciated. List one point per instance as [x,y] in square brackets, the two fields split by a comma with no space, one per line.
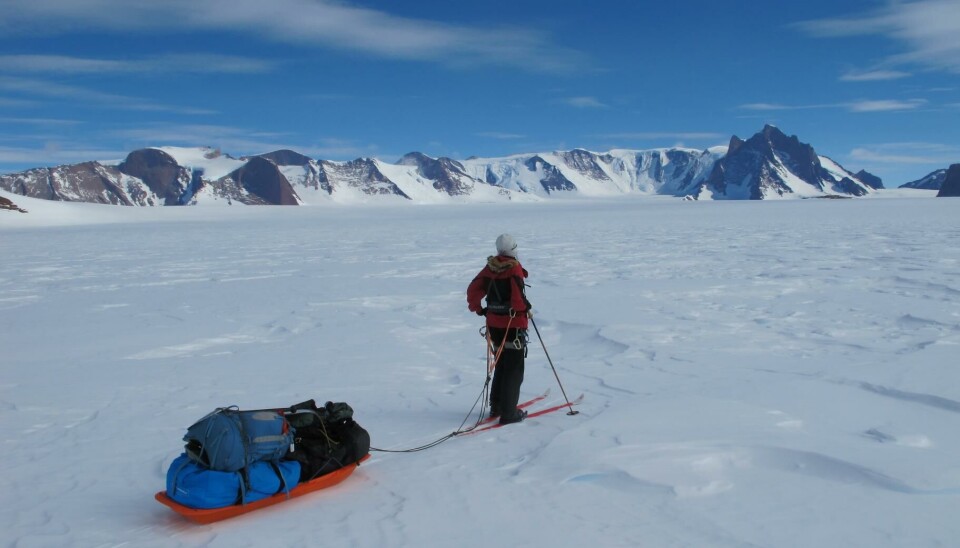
[772,374]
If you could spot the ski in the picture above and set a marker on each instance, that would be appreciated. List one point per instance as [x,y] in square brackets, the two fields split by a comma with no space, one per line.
[523,405]
[537,413]
[528,403]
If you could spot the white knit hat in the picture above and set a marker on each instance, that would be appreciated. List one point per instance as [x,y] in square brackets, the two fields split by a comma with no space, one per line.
[506,245]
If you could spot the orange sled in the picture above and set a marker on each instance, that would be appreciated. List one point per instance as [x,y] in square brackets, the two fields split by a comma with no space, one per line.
[210,515]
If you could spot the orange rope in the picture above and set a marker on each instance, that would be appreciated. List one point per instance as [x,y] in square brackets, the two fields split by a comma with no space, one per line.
[493,365]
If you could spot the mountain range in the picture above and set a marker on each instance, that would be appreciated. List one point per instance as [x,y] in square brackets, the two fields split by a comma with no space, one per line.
[768,165]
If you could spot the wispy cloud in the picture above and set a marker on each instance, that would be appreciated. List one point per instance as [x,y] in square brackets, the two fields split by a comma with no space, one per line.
[873,75]
[329,24]
[666,135]
[16,103]
[927,30]
[885,105]
[583,102]
[934,154]
[53,90]
[239,140]
[40,121]
[500,136]
[778,106]
[170,63]
[52,154]
[866,105]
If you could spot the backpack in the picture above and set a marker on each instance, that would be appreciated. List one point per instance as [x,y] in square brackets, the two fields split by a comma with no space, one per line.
[229,440]
[499,294]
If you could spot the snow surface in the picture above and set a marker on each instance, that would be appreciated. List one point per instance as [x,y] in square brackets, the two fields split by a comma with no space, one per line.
[756,373]
[214,164]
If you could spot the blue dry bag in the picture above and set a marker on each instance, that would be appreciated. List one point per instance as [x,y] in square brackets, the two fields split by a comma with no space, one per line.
[195,486]
[228,439]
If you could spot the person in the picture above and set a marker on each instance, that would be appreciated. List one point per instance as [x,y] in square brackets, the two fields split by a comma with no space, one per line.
[500,285]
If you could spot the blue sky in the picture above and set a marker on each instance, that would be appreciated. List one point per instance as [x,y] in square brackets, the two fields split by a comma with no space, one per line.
[872,84]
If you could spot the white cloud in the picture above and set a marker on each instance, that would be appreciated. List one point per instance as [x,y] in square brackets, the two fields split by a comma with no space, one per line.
[171,63]
[53,153]
[325,23]
[866,105]
[661,136]
[885,105]
[928,30]
[873,75]
[53,90]
[40,121]
[583,102]
[778,106]
[16,103]
[936,154]
[238,140]
[500,136]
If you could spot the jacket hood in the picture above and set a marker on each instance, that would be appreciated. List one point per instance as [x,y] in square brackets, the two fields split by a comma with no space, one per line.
[501,263]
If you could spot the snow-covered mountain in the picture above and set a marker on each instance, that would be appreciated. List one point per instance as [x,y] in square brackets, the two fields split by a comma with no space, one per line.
[661,171]
[930,181]
[772,165]
[768,165]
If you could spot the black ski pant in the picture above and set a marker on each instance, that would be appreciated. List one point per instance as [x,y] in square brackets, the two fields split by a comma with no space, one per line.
[508,375]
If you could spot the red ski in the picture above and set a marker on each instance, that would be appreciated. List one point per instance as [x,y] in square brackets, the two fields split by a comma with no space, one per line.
[528,403]
[210,515]
[536,413]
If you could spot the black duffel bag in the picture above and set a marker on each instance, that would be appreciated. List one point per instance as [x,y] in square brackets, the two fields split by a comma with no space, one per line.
[327,438]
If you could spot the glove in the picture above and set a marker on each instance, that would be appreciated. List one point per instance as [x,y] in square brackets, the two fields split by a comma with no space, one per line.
[481,311]
[530,313]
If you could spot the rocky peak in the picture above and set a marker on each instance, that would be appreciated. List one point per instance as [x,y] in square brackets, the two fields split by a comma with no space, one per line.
[552,179]
[415,159]
[931,181]
[869,179]
[735,144]
[951,183]
[447,175]
[286,157]
[585,162]
[159,171]
[263,179]
[769,163]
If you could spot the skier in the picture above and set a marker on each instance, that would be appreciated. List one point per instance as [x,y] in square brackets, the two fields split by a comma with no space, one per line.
[507,309]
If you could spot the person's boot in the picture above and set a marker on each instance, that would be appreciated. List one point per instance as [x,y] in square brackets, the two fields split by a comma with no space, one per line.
[494,410]
[518,416]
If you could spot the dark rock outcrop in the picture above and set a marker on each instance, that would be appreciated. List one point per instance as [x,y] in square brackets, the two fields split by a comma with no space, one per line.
[447,175]
[87,182]
[951,184]
[869,179]
[584,162]
[262,180]
[362,174]
[286,157]
[552,179]
[8,205]
[160,172]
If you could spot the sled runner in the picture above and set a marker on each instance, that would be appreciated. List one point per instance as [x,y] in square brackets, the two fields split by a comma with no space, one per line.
[212,515]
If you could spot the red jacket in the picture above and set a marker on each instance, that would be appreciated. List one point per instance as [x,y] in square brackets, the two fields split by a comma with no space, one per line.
[499,268]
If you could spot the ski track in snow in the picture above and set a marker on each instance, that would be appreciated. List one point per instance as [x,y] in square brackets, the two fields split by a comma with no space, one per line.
[756,374]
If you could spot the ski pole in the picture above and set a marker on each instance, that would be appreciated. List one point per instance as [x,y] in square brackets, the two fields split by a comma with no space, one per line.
[564,392]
